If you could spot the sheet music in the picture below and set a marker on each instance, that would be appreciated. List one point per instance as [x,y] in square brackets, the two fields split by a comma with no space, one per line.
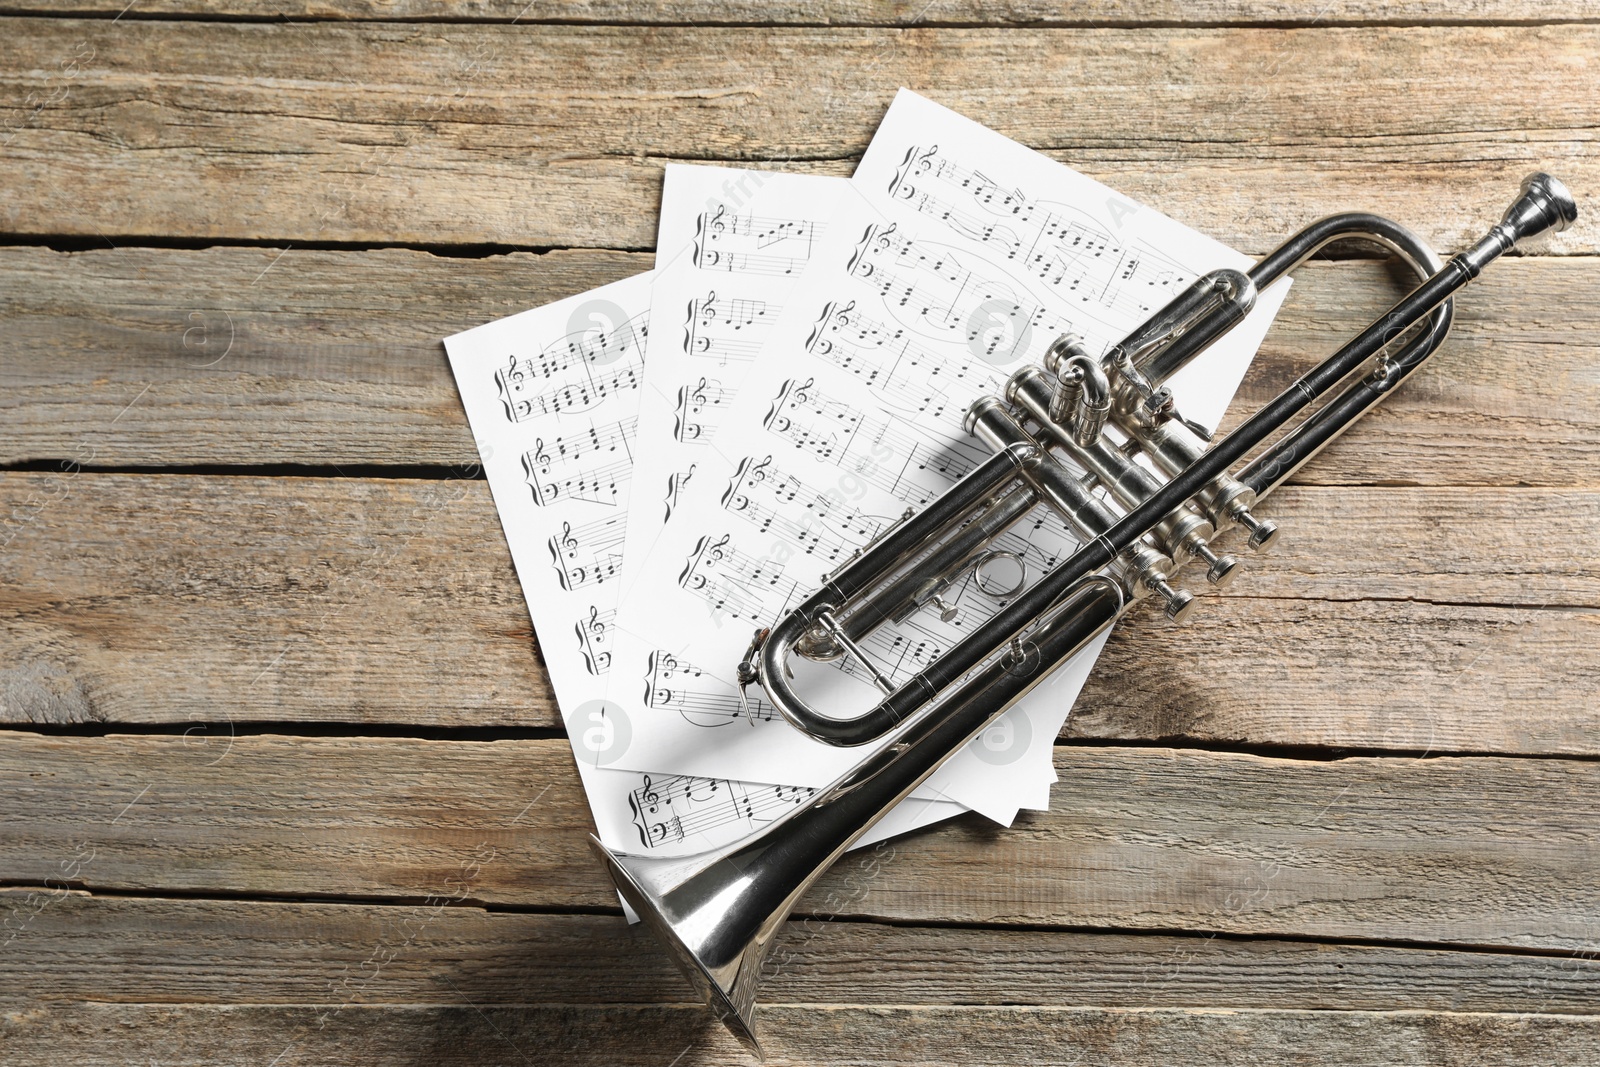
[711,313]
[732,245]
[959,256]
[553,398]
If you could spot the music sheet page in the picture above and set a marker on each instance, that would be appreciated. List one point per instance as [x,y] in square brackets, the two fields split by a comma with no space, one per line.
[958,256]
[732,245]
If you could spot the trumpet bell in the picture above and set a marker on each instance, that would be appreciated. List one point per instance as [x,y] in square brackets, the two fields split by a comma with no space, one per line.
[718,912]
[722,964]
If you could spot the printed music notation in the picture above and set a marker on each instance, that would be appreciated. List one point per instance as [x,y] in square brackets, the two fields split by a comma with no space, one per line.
[576,373]
[725,330]
[695,408]
[593,464]
[560,423]
[702,699]
[911,378]
[677,807]
[677,481]
[736,584]
[594,639]
[749,244]
[943,295]
[913,462]
[1058,244]
[588,554]
[822,524]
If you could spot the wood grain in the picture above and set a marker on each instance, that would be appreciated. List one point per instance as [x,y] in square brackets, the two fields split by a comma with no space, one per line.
[214,893]
[554,136]
[186,598]
[835,13]
[151,357]
[1478,851]
[140,950]
[628,1036]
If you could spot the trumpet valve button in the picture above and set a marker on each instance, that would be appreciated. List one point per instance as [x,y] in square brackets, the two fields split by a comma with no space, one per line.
[947,612]
[1263,532]
[1176,603]
[1220,570]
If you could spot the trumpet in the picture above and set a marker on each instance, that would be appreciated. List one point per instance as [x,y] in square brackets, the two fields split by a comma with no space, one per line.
[1140,524]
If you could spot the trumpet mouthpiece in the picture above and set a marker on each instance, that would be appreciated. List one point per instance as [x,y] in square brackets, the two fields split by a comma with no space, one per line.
[1545,204]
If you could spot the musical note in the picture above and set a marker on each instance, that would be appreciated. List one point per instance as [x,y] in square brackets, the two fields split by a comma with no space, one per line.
[694,412]
[822,524]
[590,554]
[593,464]
[677,807]
[575,373]
[914,462]
[735,584]
[727,330]
[702,699]
[1059,244]
[750,244]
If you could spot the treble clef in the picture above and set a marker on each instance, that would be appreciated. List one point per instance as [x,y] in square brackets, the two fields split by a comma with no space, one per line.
[648,795]
[564,548]
[750,472]
[682,428]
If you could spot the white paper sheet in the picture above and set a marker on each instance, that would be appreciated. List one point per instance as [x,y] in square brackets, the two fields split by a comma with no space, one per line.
[552,395]
[732,245]
[959,256]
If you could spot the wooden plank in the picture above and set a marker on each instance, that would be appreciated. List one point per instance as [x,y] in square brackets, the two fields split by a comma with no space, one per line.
[628,1036]
[1393,675]
[78,947]
[1480,851]
[859,13]
[315,357]
[184,598]
[154,357]
[553,136]
[409,588]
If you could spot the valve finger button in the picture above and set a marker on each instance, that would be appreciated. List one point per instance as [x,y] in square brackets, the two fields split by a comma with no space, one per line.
[1263,532]
[1178,604]
[1219,569]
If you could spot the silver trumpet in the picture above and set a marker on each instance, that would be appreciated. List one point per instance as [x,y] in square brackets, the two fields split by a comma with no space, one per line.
[718,913]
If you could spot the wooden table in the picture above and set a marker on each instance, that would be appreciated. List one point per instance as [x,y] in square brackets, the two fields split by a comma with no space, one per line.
[284,782]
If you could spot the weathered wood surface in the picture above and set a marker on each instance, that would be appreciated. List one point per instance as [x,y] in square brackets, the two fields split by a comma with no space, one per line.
[1149,839]
[75,946]
[151,357]
[555,135]
[217,894]
[836,13]
[470,1035]
[119,978]
[1438,622]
